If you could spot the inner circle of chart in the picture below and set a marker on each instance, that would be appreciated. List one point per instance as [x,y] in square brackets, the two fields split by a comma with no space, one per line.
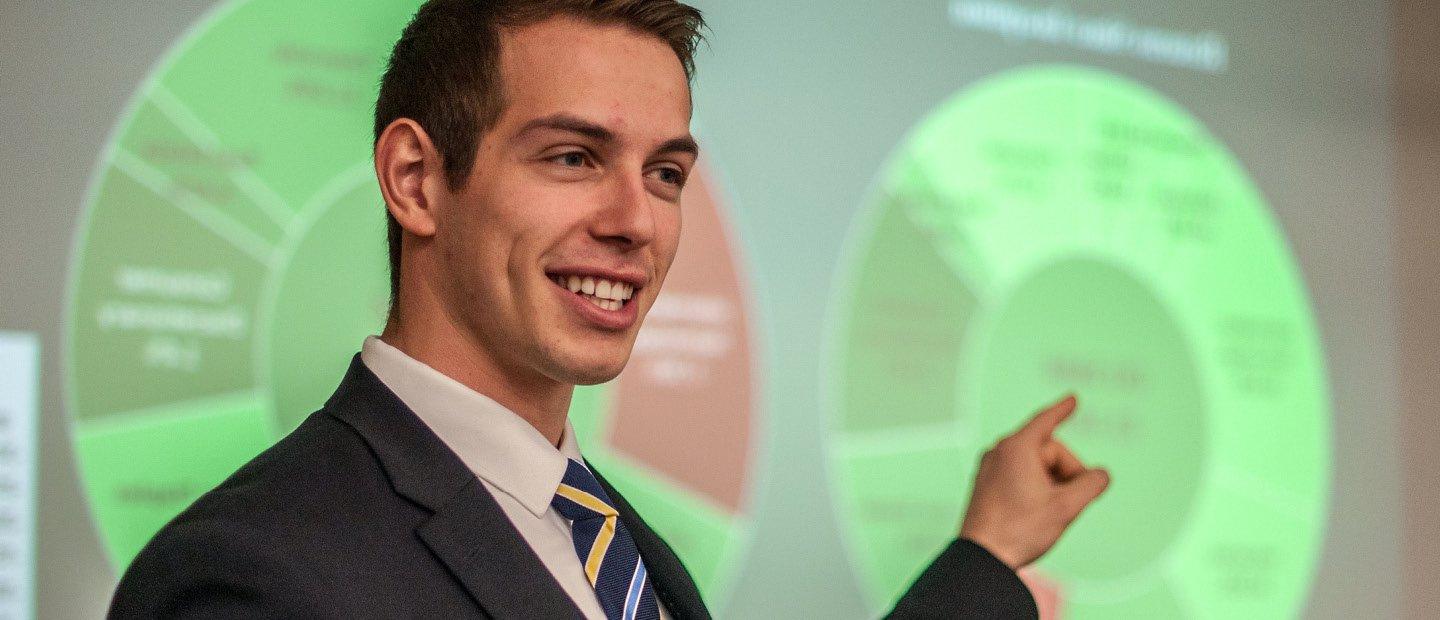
[1142,364]
[1058,229]
[232,258]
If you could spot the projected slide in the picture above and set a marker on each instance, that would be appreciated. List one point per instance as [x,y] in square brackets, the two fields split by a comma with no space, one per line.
[1056,229]
[232,259]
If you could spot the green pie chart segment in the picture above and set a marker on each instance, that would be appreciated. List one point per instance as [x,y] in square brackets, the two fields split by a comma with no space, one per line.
[1057,229]
[231,257]
[231,260]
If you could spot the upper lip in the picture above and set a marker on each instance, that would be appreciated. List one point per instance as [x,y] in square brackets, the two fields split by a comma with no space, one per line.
[631,276]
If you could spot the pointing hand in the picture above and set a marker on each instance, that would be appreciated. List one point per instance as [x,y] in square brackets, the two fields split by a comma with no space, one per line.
[1028,490]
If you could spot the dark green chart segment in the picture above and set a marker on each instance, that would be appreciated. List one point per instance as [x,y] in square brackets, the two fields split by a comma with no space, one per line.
[1057,229]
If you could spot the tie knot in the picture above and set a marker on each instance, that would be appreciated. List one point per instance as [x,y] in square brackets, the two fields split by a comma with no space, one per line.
[580,496]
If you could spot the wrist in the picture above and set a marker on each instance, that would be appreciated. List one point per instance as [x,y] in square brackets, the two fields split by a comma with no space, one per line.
[999,552]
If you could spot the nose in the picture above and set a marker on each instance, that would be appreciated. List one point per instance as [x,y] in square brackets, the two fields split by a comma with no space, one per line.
[628,220]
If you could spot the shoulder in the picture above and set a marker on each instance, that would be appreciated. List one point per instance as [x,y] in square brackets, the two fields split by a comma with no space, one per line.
[322,473]
[292,524]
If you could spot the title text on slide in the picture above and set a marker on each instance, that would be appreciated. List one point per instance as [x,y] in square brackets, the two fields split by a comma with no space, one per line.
[1206,51]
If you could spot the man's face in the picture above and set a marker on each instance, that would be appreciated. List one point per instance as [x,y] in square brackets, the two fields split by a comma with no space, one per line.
[576,186]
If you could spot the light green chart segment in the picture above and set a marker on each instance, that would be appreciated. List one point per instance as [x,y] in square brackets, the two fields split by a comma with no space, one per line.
[232,259]
[1057,229]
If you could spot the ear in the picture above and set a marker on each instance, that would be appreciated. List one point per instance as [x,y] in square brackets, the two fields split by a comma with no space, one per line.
[412,176]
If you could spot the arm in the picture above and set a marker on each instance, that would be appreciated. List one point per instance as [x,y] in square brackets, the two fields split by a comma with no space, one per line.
[966,581]
[1028,490]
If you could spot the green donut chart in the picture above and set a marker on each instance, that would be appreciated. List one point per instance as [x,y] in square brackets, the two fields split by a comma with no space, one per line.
[1055,229]
[231,259]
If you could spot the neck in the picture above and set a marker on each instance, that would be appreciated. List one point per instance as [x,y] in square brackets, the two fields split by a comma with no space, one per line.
[442,345]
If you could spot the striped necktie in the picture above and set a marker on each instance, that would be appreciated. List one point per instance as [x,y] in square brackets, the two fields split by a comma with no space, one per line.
[611,561]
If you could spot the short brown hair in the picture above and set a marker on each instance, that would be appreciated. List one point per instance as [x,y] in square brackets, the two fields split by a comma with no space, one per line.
[444,72]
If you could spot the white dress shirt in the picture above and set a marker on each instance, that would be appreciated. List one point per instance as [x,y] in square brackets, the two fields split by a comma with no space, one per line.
[517,465]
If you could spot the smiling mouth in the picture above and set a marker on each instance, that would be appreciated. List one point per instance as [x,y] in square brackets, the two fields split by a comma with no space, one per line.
[605,294]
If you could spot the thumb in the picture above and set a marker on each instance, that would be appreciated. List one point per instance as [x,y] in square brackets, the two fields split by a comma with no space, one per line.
[1081,490]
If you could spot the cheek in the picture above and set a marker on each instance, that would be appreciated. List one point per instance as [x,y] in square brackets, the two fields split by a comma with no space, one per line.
[492,226]
[474,255]
[667,238]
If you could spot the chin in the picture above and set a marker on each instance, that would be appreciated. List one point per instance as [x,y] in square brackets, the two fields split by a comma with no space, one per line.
[592,376]
[589,369]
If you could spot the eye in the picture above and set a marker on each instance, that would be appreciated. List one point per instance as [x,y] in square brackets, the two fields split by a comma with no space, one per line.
[671,176]
[571,159]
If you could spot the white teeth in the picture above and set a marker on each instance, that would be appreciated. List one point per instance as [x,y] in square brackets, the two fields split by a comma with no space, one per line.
[607,294]
[606,304]
[618,291]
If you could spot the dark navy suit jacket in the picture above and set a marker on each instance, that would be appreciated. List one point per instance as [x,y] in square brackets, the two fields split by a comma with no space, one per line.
[363,512]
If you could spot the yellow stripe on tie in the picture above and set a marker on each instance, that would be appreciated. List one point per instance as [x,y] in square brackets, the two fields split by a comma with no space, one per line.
[585,499]
[597,551]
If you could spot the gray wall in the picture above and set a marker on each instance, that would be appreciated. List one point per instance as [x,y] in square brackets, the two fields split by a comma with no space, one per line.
[1418,235]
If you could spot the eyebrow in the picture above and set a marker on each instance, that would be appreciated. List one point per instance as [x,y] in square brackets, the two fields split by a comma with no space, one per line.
[573,124]
[683,144]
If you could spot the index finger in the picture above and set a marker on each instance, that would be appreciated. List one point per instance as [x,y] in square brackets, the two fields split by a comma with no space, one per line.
[1043,425]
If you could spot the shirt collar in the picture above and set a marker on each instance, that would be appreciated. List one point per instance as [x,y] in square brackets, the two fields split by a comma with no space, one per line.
[495,443]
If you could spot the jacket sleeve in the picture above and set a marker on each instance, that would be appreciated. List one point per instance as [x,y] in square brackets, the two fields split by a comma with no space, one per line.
[966,581]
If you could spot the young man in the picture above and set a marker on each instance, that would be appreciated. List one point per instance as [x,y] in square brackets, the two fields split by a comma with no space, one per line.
[532,155]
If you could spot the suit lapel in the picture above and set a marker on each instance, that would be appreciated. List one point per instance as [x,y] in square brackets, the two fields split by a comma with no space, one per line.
[500,571]
[673,584]
[468,531]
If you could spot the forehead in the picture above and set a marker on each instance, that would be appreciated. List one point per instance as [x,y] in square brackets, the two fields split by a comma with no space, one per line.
[613,75]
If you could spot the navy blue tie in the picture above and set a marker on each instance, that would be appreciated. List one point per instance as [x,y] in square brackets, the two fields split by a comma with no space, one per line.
[611,561]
